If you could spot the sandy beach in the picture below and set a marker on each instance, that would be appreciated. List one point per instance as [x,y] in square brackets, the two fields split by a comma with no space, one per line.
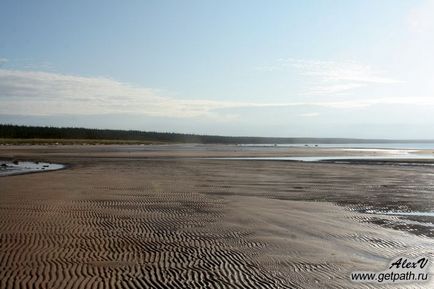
[161,217]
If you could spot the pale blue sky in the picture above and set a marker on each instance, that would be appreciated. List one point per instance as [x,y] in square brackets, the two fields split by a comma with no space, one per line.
[267,68]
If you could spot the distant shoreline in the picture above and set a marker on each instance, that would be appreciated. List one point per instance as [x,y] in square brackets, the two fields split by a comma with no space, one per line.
[18,134]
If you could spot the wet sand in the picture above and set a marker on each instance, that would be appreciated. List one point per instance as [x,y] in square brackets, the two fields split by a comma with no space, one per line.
[135,217]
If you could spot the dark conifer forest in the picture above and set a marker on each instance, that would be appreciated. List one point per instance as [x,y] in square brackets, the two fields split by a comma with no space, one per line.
[9,131]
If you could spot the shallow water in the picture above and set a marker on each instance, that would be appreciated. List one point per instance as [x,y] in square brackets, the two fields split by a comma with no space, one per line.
[331,158]
[417,214]
[393,146]
[9,168]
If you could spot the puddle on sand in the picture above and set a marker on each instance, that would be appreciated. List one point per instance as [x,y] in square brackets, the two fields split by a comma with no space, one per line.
[20,167]
[416,214]
[398,213]
[328,158]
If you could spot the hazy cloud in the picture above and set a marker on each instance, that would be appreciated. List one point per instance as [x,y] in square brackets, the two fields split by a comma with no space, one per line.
[329,77]
[309,114]
[421,18]
[42,93]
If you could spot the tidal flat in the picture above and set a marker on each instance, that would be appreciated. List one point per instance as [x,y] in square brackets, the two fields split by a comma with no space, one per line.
[172,216]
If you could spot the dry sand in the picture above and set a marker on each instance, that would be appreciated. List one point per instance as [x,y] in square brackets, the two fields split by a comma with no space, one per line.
[135,217]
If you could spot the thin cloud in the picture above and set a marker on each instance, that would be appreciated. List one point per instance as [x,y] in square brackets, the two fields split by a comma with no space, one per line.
[332,78]
[309,114]
[341,71]
[421,18]
[42,93]
[333,89]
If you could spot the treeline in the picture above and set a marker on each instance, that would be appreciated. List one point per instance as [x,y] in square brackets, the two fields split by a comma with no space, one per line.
[8,131]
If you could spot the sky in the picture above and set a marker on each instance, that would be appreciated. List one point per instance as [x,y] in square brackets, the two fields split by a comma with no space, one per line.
[323,68]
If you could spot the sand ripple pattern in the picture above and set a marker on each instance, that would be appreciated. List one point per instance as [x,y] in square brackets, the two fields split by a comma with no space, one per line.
[165,224]
[99,236]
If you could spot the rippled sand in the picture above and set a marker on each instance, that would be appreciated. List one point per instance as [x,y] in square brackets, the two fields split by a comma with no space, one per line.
[134,222]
